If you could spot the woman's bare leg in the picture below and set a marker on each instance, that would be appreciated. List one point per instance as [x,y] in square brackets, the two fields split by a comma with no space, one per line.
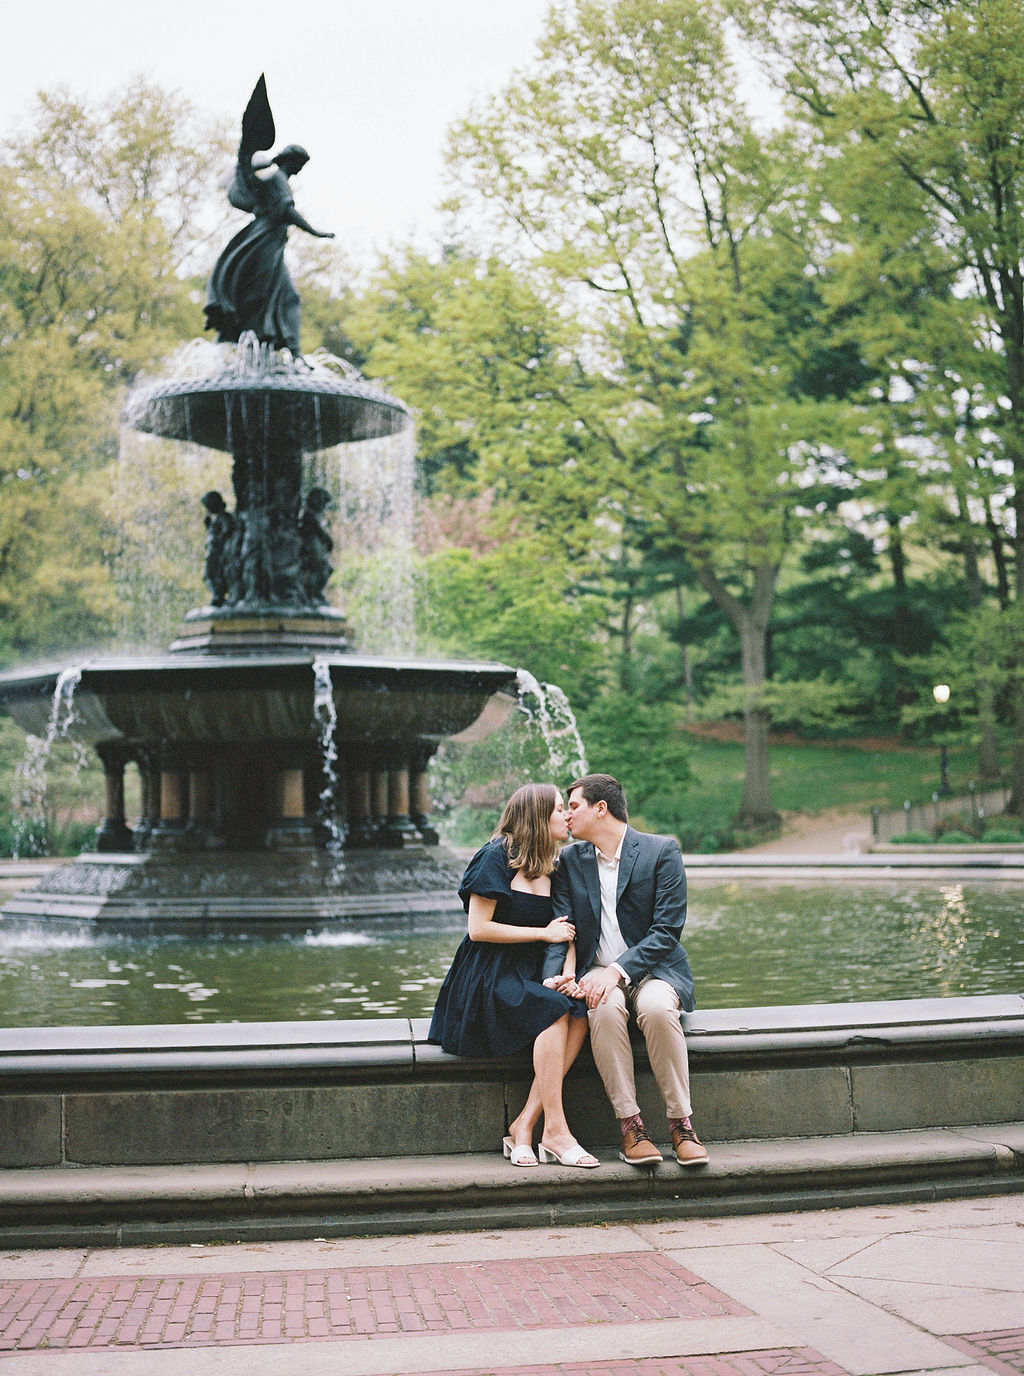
[553,1053]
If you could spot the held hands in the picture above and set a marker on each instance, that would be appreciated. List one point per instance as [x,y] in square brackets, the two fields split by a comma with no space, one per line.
[597,984]
[565,984]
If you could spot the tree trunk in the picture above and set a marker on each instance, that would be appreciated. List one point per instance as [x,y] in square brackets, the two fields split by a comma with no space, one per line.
[684,650]
[756,808]
[988,746]
[750,621]
[901,610]
[997,542]
[1016,804]
[1015,446]
[626,635]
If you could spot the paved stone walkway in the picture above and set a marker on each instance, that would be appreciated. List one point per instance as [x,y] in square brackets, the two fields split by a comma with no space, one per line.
[906,1288]
[782,1361]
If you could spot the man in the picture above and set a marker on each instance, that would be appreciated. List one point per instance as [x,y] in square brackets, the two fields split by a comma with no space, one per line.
[625,891]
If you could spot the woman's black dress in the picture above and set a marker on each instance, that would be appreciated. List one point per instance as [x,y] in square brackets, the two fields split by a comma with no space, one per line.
[492,1001]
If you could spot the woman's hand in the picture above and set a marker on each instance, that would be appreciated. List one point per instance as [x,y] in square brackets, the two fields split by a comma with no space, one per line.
[564,984]
[559,929]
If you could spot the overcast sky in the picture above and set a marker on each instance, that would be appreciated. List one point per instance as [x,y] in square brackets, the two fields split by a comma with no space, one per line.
[368,88]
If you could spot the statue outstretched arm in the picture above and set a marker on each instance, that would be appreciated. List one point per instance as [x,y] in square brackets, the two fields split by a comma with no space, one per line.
[294,217]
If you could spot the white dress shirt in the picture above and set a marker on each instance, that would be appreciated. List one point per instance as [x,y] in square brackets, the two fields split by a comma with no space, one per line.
[611,944]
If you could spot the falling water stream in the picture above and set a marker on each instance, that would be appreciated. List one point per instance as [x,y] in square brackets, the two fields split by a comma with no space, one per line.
[29,822]
[546,705]
[325,714]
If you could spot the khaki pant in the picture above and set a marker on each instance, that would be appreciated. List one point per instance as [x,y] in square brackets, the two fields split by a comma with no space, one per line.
[655,1005]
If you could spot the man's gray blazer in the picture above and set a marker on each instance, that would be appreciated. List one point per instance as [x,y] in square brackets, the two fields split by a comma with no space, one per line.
[650,905]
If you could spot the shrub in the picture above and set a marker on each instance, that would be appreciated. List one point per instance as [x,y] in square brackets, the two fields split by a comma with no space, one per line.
[1009,827]
[912,838]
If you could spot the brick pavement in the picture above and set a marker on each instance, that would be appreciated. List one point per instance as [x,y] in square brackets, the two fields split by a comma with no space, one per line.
[1002,1350]
[352,1302]
[238,1308]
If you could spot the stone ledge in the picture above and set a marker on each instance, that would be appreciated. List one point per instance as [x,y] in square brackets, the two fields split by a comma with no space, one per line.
[132,1097]
[179,1048]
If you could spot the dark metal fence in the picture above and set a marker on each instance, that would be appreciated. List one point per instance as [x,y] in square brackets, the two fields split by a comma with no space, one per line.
[925,817]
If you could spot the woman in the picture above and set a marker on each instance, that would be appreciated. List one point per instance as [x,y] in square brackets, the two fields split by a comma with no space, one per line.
[492,1001]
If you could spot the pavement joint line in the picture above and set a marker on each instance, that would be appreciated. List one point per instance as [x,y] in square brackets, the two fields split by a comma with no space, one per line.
[864,1338]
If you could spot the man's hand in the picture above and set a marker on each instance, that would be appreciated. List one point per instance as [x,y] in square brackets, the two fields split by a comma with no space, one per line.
[597,984]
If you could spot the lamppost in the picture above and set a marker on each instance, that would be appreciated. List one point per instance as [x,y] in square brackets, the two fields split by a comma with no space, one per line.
[941,695]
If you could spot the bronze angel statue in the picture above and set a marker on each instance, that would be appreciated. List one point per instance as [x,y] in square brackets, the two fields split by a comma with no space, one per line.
[250,288]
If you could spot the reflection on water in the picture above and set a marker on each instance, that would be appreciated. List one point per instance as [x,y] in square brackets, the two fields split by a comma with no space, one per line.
[750,944]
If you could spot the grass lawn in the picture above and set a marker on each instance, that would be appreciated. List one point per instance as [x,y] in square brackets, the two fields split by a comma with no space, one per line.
[817,776]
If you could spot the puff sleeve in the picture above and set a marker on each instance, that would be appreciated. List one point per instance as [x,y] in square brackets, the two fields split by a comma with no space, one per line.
[488,874]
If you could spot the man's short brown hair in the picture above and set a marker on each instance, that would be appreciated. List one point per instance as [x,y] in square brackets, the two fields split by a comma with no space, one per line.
[603,788]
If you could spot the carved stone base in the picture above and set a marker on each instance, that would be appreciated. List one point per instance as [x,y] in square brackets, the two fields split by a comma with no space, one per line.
[167,890]
[113,837]
[224,630]
[292,833]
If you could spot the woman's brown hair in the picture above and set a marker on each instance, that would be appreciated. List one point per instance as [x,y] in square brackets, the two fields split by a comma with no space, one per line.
[525,824]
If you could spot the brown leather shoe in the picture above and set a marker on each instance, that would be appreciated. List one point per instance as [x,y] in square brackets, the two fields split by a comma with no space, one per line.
[689,1149]
[637,1149]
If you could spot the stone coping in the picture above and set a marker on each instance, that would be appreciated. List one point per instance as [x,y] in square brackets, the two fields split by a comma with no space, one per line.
[1009,856]
[399,1044]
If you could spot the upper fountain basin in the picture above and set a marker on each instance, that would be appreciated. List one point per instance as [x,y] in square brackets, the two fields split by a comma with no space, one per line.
[254,396]
[267,697]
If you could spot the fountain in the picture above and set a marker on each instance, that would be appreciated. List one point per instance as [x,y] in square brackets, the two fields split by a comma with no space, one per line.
[283,774]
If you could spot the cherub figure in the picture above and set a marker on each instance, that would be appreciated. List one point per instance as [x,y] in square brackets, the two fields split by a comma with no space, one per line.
[250,287]
[316,545]
[218,569]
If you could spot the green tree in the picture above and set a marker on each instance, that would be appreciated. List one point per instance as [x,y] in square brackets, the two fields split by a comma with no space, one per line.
[921,99]
[100,223]
[489,371]
[515,604]
[623,174]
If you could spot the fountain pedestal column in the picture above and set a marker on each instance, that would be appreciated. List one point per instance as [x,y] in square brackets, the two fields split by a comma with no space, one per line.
[421,803]
[169,833]
[114,834]
[291,827]
[362,832]
[201,809]
[399,829]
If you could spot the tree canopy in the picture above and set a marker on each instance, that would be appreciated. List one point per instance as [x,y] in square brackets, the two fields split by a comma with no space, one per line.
[100,218]
[716,415]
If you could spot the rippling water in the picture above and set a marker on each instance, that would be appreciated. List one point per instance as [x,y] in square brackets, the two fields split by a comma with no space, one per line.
[750,944]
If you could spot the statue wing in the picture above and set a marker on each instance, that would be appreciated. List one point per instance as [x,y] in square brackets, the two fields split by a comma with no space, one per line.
[258,134]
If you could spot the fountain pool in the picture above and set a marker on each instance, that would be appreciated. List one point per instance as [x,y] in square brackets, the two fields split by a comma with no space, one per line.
[750,944]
